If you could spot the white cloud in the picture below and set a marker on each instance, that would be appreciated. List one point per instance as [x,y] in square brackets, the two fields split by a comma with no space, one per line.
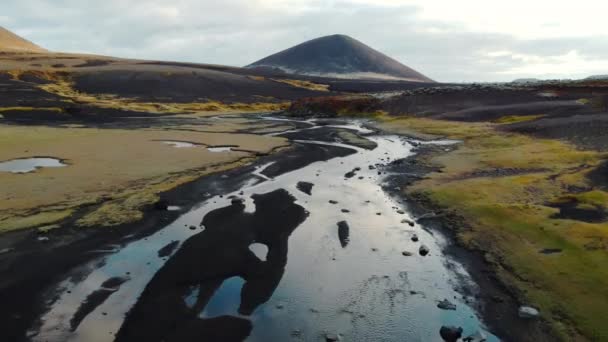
[466,40]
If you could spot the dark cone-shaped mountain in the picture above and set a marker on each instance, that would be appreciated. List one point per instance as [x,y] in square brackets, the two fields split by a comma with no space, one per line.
[339,56]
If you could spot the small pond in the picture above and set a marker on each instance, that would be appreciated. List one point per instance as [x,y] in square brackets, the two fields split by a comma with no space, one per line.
[26,165]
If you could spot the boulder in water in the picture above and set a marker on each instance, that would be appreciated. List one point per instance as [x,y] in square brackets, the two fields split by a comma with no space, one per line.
[450,333]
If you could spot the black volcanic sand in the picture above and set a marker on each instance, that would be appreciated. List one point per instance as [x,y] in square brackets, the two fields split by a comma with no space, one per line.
[564,115]
[206,260]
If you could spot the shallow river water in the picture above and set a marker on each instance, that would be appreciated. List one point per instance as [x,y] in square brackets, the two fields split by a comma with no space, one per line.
[354,282]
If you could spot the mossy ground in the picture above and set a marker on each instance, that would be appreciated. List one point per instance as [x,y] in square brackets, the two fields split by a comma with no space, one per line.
[112,172]
[509,217]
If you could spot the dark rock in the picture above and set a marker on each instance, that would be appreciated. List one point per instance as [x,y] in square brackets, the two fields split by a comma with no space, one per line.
[528,312]
[343,233]
[424,250]
[237,200]
[345,211]
[333,202]
[551,250]
[350,174]
[305,187]
[406,253]
[410,222]
[330,337]
[446,305]
[415,238]
[450,333]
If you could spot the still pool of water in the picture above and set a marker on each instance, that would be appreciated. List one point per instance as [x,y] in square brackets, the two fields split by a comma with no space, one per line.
[26,165]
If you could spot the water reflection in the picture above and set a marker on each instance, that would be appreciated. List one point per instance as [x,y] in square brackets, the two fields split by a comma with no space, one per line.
[197,289]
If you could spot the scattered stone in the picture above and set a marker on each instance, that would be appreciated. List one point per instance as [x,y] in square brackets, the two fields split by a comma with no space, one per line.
[551,250]
[400,212]
[43,238]
[415,238]
[374,249]
[450,333]
[528,312]
[192,227]
[424,250]
[237,200]
[345,211]
[305,187]
[331,337]
[350,174]
[446,305]
[343,233]
[410,222]
[378,214]
[372,167]
[406,253]
[333,202]
[478,336]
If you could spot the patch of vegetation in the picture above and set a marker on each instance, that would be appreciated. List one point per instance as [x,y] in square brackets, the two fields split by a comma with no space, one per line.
[61,84]
[509,119]
[33,220]
[29,109]
[304,84]
[510,218]
[128,206]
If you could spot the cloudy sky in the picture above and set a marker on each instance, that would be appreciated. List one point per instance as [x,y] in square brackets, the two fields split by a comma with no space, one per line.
[463,40]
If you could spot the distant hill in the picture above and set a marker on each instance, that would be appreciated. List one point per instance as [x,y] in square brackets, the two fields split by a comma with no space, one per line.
[526,80]
[12,42]
[597,77]
[339,56]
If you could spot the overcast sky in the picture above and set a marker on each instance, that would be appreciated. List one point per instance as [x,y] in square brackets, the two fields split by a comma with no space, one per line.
[447,40]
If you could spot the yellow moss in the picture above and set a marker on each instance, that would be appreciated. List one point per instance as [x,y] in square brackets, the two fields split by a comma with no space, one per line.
[28,109]
[60,84]
[34,220]
[510,220]
[304,84]
[509,119]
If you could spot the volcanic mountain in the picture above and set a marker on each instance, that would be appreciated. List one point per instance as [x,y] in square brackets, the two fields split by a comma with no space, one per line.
[12,42]
[339,56]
